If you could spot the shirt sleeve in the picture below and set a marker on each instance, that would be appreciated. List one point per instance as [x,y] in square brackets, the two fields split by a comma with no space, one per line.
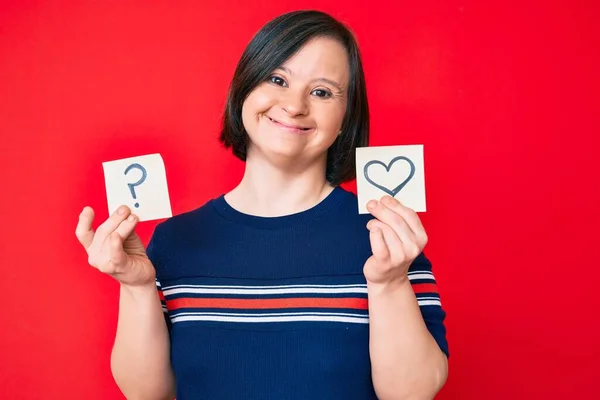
[163,302]
[424,285]
[154,254]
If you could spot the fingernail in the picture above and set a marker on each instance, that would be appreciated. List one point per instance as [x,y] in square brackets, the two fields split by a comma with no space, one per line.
[371,204]
[121,210]
[131,218]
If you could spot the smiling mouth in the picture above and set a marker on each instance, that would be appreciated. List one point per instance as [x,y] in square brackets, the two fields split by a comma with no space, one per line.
[292,128]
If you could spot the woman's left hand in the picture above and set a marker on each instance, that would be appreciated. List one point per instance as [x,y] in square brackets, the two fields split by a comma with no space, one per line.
[397,238]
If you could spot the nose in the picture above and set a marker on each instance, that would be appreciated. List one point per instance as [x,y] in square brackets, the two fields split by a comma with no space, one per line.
[295,103]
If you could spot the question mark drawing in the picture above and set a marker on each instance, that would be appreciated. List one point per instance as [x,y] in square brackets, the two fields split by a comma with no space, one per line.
[133,185]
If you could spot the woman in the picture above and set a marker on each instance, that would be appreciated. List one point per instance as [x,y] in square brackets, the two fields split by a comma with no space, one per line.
[265,288]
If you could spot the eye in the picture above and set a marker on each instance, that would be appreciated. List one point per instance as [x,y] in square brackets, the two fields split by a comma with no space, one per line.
[322,93]
[277,80]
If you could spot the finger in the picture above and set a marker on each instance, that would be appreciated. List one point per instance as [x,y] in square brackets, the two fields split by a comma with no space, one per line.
[84,231]
[393,219]
[395,246]
[109,226]
[410,217]
[378,246]
[118,257]
[126,227]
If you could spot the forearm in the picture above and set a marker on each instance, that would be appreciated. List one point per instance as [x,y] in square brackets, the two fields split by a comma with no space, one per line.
[406,361]
[140,358]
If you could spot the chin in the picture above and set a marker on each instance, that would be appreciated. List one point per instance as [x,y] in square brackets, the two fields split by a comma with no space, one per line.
[282,152]
[275,152]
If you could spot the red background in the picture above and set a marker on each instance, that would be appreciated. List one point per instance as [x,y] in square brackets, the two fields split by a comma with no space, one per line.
[500,94]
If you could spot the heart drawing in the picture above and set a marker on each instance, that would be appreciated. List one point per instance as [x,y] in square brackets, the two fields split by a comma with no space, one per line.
[397,189]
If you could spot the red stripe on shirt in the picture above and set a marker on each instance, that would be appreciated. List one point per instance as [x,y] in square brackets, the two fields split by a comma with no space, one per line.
[424,288]
[356,303]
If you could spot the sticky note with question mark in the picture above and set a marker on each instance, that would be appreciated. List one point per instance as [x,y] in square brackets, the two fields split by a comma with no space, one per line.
[139,183]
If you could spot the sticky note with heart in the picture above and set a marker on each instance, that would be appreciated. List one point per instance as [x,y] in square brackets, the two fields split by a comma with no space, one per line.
[397,171]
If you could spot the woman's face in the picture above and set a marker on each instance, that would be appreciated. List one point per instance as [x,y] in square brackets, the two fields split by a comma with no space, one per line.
[296,114]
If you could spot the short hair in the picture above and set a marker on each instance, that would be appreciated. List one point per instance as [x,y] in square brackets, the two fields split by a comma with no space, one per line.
[276,42]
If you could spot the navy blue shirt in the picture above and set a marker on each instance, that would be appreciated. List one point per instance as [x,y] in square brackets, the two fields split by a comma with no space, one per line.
[274,308]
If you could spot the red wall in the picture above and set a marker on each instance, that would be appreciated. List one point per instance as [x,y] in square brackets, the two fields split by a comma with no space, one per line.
[501,96]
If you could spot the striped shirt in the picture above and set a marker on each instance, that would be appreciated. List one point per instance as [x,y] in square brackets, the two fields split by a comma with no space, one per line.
[274,308]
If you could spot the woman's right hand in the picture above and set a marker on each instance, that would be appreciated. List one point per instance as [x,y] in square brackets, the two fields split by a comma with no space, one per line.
[115,248]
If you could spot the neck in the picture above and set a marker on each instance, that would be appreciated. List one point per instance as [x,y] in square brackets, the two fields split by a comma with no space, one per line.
[270,191]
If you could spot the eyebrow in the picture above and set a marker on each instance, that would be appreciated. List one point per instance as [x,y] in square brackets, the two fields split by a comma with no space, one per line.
[329,81]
